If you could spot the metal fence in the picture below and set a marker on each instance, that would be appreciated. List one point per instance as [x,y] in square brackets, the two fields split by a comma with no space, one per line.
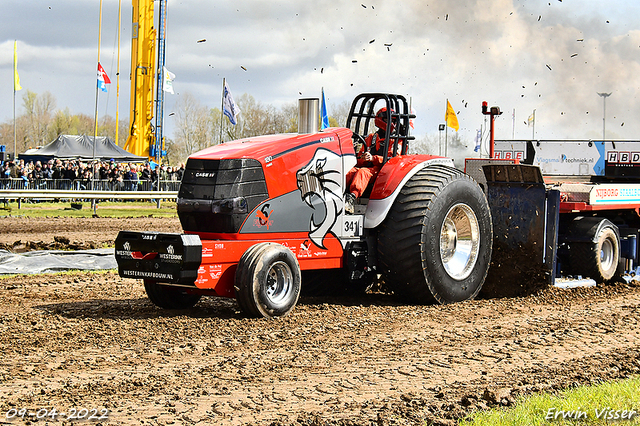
[62,189]
[88,185]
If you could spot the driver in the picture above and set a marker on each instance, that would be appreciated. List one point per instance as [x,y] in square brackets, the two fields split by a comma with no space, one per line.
[370,157]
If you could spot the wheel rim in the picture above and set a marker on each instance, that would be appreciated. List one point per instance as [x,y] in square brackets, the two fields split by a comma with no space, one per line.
[279,283]
[459,241]
[606,254]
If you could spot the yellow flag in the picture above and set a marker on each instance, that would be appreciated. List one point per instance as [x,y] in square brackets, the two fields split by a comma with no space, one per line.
[532,119]
[450,117]
[16,77]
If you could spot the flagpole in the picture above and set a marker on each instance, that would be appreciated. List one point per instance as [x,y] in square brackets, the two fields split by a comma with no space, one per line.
[485,126]
[15,156]
[95,130]
[534,125]
[118,71]
[15,67]
[15,153]
[480,149]
[162,47]
[446,129]
[322,112]
[224,81]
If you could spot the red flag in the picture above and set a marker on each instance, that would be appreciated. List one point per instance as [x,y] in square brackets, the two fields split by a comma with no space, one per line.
[102,73]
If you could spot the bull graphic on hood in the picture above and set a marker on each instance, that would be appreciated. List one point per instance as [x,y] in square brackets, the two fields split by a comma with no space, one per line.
[321,177]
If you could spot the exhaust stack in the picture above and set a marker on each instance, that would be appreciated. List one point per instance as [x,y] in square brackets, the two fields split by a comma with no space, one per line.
[308,115]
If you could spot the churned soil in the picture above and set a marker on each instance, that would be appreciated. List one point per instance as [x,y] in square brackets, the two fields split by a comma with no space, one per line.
[94,341]
[19,234]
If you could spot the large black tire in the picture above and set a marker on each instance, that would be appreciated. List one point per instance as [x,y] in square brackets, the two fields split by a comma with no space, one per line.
[240,276]
[168,297]
[598,258]
[435,244]
[267,281]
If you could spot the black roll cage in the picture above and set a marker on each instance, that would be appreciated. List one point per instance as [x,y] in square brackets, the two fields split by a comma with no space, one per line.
[363,111]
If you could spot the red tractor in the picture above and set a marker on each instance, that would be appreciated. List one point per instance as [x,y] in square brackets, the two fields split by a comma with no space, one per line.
[264,219]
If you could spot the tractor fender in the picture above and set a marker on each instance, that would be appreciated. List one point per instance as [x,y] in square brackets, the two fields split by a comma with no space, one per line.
[390,181]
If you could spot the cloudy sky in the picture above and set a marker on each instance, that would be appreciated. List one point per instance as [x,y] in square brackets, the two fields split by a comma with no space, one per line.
[553,56]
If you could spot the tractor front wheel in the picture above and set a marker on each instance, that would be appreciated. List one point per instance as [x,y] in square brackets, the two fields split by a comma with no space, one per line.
[267,281]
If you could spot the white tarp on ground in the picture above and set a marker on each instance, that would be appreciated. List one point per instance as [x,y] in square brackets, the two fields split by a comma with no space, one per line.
[42,261]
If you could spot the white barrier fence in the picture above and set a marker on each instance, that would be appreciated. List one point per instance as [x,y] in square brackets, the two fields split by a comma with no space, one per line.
[88,184]
[74,195]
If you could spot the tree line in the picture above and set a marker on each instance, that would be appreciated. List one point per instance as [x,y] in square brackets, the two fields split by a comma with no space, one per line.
[196,125]
[40,123]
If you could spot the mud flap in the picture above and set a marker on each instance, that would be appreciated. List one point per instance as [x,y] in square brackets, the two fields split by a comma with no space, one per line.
[167,258]
[525,219]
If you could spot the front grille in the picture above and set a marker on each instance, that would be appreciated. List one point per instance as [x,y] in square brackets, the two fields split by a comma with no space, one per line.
[208,180]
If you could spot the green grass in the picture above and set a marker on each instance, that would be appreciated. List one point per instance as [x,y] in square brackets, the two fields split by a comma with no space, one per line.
[104,209]
[586,403]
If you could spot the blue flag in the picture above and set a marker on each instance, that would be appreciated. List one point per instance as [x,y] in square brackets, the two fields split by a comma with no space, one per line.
[478,140]
[230,108]
[323,112]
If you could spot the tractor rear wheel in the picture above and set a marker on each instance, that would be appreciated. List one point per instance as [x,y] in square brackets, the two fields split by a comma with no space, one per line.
[435,244]
[168,297]
[267,281]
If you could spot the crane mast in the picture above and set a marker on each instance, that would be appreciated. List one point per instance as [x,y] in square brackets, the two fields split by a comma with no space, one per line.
[143,64]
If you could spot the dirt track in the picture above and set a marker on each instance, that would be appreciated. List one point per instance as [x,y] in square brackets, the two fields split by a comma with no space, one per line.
[94,341]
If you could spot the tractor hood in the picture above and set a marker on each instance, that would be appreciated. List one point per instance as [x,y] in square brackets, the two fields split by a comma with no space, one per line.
[259,147]
[225,183]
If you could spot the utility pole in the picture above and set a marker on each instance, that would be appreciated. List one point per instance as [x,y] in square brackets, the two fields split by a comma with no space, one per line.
[604,111]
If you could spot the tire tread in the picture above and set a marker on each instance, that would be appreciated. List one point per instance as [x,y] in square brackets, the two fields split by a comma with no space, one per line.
[401,235]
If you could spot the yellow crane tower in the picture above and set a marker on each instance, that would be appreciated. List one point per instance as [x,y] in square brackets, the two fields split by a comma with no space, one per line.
[143,65]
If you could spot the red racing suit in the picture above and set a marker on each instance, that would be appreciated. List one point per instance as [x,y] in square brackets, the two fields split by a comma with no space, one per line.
[359,177]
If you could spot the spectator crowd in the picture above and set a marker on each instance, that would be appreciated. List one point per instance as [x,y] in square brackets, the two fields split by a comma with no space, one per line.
[76,174]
